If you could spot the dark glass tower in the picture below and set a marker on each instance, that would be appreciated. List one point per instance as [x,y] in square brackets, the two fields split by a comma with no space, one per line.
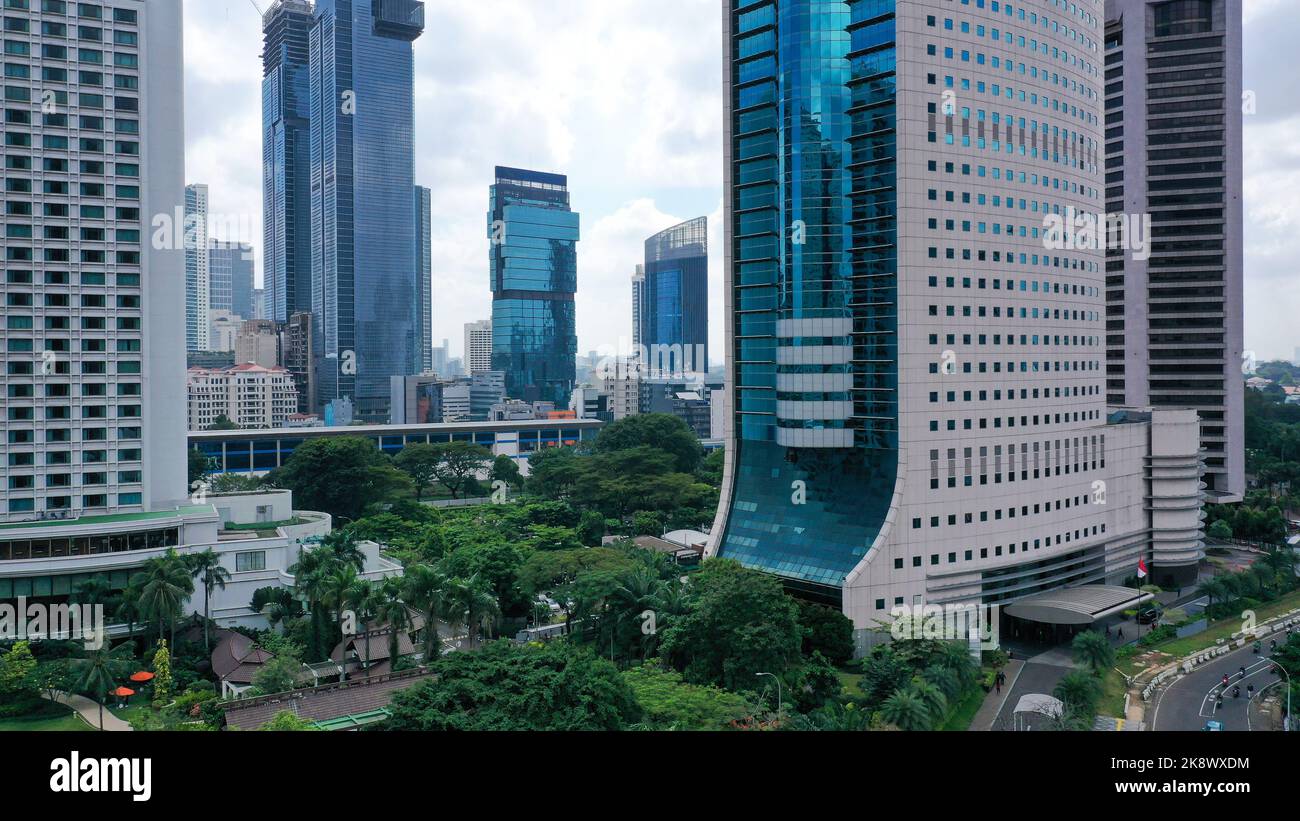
[534,270]
[811,269]
[674,303]
[424,273]
[286,158]
[365,298]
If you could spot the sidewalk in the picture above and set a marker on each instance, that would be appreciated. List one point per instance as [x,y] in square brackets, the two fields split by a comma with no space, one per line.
[89,712]
[992,706]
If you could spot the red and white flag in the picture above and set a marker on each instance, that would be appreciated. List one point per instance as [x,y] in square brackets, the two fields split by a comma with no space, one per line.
[1142,568]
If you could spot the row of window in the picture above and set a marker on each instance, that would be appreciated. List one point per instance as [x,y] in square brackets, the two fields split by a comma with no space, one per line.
[64,457]
[28,504]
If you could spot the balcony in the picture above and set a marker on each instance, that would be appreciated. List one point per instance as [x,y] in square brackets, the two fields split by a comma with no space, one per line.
[402,19]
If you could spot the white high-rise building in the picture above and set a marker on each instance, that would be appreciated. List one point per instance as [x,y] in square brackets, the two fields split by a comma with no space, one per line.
[198,271]
[95,310]
[249,395]
[478,346]
[916,388]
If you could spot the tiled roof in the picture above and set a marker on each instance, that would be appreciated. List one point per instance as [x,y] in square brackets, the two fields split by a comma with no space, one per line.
[322,703]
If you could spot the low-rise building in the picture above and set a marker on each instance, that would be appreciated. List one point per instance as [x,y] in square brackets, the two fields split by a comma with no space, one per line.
[250,396]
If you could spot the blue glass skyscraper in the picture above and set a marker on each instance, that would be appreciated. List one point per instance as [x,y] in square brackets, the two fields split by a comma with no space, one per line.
[424,272]
[674,303]
[534,269]
[286,158]
[364,270]
[812,266]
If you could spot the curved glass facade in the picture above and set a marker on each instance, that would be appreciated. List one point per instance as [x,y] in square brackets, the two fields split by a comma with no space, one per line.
[813,277]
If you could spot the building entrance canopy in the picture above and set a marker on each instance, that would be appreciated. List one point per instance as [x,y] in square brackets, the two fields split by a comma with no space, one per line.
[1076,605]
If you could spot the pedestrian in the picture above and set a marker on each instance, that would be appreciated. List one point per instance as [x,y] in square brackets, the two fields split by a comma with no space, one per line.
[997,682]
[1108,631]
[1121,633]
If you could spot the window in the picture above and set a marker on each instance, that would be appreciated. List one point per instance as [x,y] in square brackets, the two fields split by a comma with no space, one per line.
[246,562]
[1184,17]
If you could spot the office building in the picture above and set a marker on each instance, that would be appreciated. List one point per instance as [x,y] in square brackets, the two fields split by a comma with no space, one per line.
[286,158]
[441,354]
[198,286]
[478,346]
[915,390]
[674,300]
[416,400]
[258,343]
[296,357]
[534,275]
[638,300]
[1174,324]
[223,327]
[230,276]
[365,295]
[424,274]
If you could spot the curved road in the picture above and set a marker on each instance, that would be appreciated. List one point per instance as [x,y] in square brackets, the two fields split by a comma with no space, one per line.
[1191,700]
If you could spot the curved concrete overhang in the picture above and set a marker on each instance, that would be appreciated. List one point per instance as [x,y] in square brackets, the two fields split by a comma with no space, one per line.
[1076,605]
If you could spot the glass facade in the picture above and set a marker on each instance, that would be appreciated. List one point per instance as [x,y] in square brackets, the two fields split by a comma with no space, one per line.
[365,294]
[674,298]
[230,276]
[424,273]
[813,273]
[534,272]
[286,159]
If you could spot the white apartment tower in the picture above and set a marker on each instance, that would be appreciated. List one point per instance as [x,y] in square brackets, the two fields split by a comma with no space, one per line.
[478,346]
[94,280]
[198,271]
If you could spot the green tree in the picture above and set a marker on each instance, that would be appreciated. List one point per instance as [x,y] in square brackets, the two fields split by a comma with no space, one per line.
[740,624]
[162,675]
[223,423]
[504,686]
[1214,589]
[420,462]
[505,469]
[1220,530]
[393,613]
[826,631]
[199,466]
[340,475]
[98,672]
[16,669]
[279,675]
[207,569]
[661,431]
[164,585]
[427,589]
[669,703]
[286,721]
[1080,692]
[907,710]
[1092,649]
[458,464]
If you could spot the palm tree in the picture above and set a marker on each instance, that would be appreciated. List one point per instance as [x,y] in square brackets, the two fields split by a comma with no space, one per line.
[943,678]
[92,591]
[309,573]
[427,588]
[393,612]
[206,567]
[365,599]
[1079,692]
[343,547]
[164,585]
[1093,650]
[906,710]
[954,656]
[637,593]
[276,603]
[339,589]
[935,701]
[1214,589]
[473,602]
[97,672]
[128,609]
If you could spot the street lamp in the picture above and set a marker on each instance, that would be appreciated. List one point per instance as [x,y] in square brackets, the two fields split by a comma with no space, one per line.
[778,691]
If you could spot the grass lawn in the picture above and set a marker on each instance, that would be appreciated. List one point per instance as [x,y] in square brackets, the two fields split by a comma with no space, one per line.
[963,712]
[849,681]
[56,719]
[1112,695]
[1225,628]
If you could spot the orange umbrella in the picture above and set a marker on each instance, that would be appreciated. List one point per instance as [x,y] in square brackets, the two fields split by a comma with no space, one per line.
[142,676]
[123,692]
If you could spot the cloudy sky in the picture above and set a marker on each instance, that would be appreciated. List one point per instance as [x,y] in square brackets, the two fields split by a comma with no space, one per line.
[624,96]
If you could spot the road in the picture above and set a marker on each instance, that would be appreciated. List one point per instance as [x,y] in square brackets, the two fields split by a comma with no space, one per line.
[1191,700]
